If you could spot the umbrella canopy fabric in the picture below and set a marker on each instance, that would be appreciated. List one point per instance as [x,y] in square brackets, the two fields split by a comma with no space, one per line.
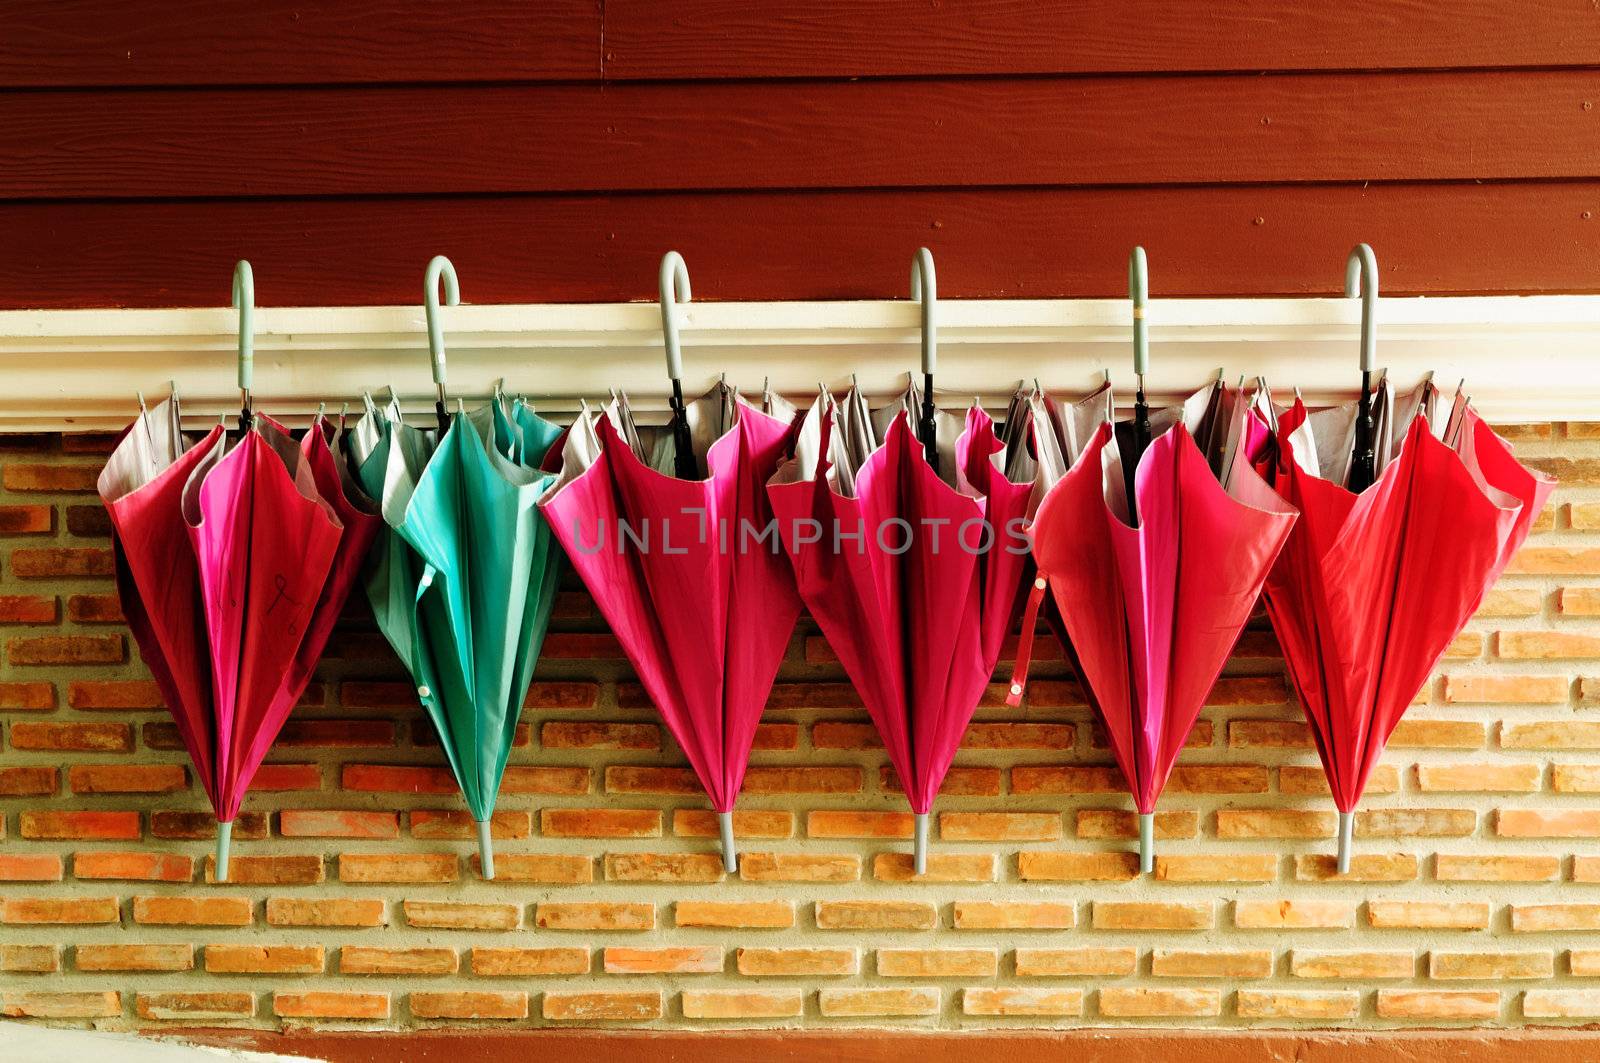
[466,582]
[911,577]
[1152,609]
[1373,587]
[687,573]
[233,566]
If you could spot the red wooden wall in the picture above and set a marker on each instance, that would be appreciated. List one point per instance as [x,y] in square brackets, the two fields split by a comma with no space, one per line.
[792,148]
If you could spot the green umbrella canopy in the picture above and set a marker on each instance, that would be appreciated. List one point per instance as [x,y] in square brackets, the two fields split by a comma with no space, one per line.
[465,587]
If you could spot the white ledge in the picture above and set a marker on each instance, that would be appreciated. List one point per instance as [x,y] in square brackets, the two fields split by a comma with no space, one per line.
[1525,358]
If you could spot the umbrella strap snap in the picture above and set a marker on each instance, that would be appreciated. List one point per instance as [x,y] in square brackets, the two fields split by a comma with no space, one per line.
[1030,620]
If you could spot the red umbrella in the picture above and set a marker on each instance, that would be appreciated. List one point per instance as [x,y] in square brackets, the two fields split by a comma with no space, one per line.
[686,573]
[1373,587]
[1152,595]
[907,574]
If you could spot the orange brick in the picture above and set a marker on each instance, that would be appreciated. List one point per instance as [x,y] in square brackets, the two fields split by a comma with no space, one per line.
[1274,823]
[838,823]
[72,737]
[1546,645]
[884,1003]
[84,1005]
[644,779]
[78,825]
[1075,963]
[1415,822]
[1152,915]
[1561,1004]
[168,957]
[747,823]
[600,823]
[94,609]
[397,779]
[1230,867]
[1578,601]
[573,734]
[1438,734]
[938,963]
[1019,736]
[59,910]
[844,734]
[326,911]
[525,962]
[476,1004]
[27,697]
[1585,868]
[1293,914]
[1547,823]
[999,826]
[1575,778]
[742,1004]
[192,911]
[750,915]
[127,778]
[29,959]
[546,868]
[1428,915]
[264,959]
[1584,963]
[1038,865]
[19,476]
[29,781]
[27,520]
[1490,965]
[811,779]
[594,915]
[1506,689]
[1011,1000]
[1551,734]
[876,915]
[66,562]
[1013,915]
[1113,823]
[941,867]
[1438,1004]
[663,867]
[601,1006]
[1507,602]
[358,959]
[563,694]
[1351,965]
[28,609]
[398,867]
[682,959]
[799,867]
[1450,867]
[1479,778]
[958,782]
[302,869]
[1296,1004]
[795,963]
[1067,779]
[194,1007]
[337,823]
[1555,561]
[1213,963]
[326,1004]
[30,867]
[1218,779]
[1364,867]
[1268,734]
[1537,918]
[452,915]
[1131,1002]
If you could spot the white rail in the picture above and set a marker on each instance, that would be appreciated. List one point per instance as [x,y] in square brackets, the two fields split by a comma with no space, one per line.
[1523,357]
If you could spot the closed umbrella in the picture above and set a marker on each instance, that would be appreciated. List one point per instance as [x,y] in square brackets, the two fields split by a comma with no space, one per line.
[1374,584]
[686,571]
[466,582]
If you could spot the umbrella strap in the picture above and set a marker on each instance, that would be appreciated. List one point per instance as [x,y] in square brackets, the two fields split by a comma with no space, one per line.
[1030,620]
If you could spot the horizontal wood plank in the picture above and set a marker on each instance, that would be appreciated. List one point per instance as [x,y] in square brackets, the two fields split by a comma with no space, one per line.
[1250,240]
[871,38]
[287,42]
[871,134]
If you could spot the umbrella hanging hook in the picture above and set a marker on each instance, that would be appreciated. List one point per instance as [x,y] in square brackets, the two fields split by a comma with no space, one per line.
[244,300]
[1361,281]
[675,290]
[439,268]
[925,289]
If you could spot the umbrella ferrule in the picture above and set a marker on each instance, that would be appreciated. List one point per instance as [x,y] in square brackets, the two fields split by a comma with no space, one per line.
[1347,826]
[919,855]
[485,848]
[730,855]
[224,843]
[1147,836]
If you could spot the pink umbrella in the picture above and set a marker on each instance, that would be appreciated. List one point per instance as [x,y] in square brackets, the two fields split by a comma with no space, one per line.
[686,572]
[912,578]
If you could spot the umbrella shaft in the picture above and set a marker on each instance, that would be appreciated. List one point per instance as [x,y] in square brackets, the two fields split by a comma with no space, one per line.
[730,855]
[1363,460]
[928,424]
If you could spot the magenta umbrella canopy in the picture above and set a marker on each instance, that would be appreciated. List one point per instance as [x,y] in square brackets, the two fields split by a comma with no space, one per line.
[911,581]
[703,607]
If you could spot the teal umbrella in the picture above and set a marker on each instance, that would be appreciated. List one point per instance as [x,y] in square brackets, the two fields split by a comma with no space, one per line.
[464,584]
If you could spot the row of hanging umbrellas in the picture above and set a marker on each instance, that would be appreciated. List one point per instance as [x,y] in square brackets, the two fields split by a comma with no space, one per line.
[910,532]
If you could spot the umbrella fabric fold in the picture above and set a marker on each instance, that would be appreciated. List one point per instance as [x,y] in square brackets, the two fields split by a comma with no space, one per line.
[913,578]
[465,584]
[687,573]
[233,564]
[1151,610]
[1372,588]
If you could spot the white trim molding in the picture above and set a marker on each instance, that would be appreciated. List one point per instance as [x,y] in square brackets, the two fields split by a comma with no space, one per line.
[1524,358]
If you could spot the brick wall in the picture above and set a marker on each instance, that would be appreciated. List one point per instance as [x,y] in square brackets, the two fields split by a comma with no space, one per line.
[1474,897]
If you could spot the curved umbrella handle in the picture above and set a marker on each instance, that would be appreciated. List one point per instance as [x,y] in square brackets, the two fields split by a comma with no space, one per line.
[439,268]
[674,285]
[244,300]
[1139,295]
[1361,282]
[925,289]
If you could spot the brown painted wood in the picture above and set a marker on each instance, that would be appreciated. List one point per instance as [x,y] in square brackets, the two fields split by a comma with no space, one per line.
[867,38]
[869,134]
[285,42]
[894,1046]
[1243,240]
